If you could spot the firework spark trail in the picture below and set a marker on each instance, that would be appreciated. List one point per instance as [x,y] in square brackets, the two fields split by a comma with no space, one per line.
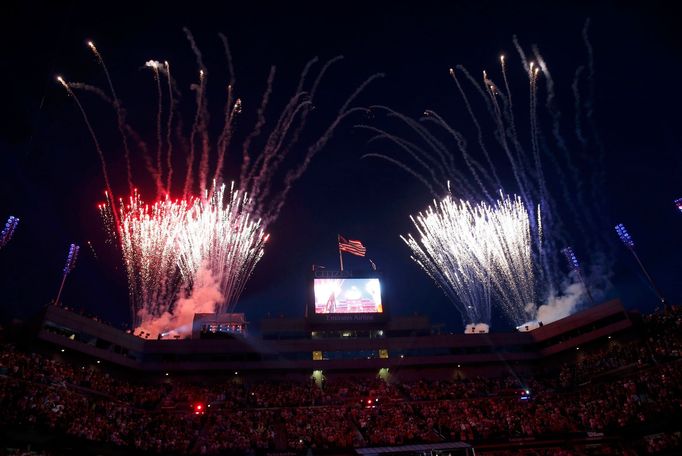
[516,153]
[494,180]
[306,110]
[441,160]
[412,149]
[598,258]
[599,177]
[575,87]
[199,97]
[521,52]
[590,66]
[535,148]
[106,212]
[169,129]
[268,165]
[490,106]
[550,103]
[529,68]
[406,168]
[205,141]
[195,49]
[541,193]
[120,113]
[569,199]
[344,112]
[228,59]
[231,110]
[103,162]
[295,135]
[509,114]
[555,114]
[225,138]
[154,65]
[147,159]
[492,91]
[502,133]
[471,163]
[127,129]
[446,165]
[258,127]
[90,88]
[437,165]
[419,155]
[258,181]
[92,250]
[432,116]
[200,126]
[503,67]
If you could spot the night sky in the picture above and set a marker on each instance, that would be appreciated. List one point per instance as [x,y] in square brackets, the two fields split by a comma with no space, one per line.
[50,175]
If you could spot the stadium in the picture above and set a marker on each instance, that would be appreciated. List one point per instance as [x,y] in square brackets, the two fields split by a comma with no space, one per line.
[382,385]
[390,228]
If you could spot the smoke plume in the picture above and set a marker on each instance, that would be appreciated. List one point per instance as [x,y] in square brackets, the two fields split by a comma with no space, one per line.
[563,305]
[204,298]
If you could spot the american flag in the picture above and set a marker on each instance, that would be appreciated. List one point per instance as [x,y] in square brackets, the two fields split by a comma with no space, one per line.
[352,247]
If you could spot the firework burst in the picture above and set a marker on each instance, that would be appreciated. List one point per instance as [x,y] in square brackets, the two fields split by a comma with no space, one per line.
[175,249]
[533,162]
[471,251]
[166,246]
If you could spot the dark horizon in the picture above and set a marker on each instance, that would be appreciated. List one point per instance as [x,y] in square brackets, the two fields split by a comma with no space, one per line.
[51,179]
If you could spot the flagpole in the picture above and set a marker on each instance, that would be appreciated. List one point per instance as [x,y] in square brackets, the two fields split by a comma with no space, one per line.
[340,255]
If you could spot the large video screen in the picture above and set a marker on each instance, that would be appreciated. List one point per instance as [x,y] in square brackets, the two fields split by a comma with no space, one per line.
[347,296]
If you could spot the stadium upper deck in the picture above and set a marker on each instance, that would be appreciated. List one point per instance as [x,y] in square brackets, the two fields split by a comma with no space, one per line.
[392,345]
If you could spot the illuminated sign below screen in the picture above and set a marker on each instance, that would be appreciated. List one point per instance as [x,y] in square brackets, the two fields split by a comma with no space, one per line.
[347,296]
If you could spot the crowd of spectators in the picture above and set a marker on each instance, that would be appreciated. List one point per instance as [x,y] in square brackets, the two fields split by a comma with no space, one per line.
[639,402]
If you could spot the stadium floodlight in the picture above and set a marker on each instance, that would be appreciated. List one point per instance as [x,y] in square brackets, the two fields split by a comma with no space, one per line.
[8,230]
[571,258]
[630,244]
[574,265]
[71,258]
[625,236]
[678,203]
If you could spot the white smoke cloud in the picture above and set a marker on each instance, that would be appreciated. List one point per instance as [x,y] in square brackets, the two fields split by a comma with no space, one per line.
[475,328]
[205,297]
[561,306]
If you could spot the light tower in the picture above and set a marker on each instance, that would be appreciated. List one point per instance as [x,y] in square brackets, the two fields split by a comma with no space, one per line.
[574,265]
[630,244]
[8,230]
[68,267]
